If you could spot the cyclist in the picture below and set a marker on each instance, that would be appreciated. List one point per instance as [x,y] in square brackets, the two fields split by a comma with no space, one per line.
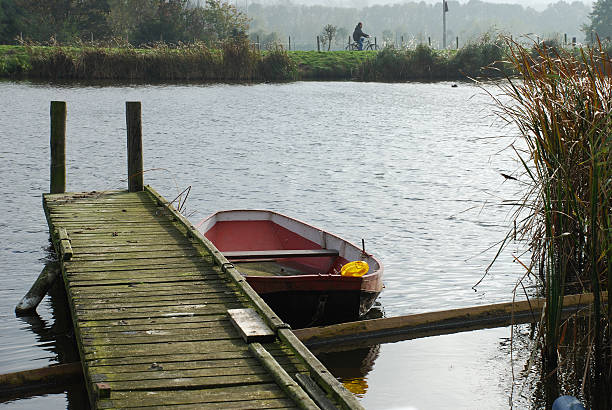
[358,36]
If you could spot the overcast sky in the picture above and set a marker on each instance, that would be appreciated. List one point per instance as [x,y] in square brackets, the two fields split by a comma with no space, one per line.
[536,4]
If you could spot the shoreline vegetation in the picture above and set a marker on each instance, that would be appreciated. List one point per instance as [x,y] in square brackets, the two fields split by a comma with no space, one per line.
[560,103]
[238,61]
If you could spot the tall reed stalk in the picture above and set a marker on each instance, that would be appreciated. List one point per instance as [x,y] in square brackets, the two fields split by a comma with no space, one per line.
[561,103]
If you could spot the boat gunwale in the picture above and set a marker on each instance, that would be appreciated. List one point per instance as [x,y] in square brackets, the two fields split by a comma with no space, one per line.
[374,275]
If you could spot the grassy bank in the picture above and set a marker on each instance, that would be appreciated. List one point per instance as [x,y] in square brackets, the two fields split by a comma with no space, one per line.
[238,62]
[234,61]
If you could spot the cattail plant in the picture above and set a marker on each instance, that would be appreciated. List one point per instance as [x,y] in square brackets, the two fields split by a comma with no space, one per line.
[561,102]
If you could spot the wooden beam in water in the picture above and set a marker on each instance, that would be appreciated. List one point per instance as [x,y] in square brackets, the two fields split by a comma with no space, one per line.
[27,382]
[393,329]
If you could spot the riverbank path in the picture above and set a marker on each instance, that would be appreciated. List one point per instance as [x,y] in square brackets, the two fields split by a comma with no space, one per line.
[149,298]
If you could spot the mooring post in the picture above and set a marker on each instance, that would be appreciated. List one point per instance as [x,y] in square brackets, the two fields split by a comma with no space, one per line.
[134,145]
[58,147]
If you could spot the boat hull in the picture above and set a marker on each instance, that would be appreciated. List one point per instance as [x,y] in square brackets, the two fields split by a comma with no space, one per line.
[313,308]
[304,290]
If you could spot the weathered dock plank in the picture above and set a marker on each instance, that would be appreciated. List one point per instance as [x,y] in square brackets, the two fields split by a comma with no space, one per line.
[149,299]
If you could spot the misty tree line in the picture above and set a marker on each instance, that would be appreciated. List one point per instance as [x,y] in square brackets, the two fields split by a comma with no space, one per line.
[418,22]
[142,21]
[136,21]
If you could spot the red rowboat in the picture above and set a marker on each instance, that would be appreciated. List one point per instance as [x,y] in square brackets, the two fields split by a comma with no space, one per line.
[294,266]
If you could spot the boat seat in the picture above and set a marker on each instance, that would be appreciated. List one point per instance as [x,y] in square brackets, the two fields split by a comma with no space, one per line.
[281,253]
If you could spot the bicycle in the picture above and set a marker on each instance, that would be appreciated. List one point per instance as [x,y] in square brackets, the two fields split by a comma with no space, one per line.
[367,45]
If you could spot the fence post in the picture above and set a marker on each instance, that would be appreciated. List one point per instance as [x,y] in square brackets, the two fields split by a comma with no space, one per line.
[289,43]
[134,145]
[258,45]
[375,46]
[349,42]
[58,147]
[429,40]
[457,42]
[318,44]
[565,39]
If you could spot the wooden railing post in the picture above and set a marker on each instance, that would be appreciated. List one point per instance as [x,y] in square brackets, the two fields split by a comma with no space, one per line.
[58,147]
[134,145]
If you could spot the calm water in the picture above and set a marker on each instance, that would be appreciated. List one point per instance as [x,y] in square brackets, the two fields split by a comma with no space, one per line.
[412,168]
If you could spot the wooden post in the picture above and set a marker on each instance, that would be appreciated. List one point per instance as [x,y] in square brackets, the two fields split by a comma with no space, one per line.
[289,43]
[429,40]
[444,24]
[375,45]
[39,289]
[457,42]
[134,145]
[318,44]
[349,42]
[58,147]
[258,45]
[565,39]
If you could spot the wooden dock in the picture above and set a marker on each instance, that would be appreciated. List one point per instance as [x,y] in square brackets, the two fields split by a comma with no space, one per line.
[162,319]
[149,297]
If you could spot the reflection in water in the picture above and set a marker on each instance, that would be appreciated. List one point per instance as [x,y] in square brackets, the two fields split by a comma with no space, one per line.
[351,366]
[56,336]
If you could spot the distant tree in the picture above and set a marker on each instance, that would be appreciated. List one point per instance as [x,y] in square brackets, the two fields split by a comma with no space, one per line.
[328,34]
[601,21]
[267,41]
[388,37]
[341,35]
[10,18]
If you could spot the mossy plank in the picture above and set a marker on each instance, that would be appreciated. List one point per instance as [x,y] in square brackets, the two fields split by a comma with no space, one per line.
[107,266]
[85,283]
[199,292]
[126,243]
[138,256]
[153,321]
[170,311]
[155,302]
[106,295]
[190,383]
[113,331]
[111,248]
[183,357]
[94,276]
[75,265]
[181,364]
[233,405]
[158,371]
[136,222]
[157,336]
[125,233]
[211,285]
[173,397]
[154,349]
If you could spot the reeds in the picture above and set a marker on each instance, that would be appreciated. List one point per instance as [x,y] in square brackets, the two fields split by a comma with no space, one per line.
[561,103]
[234,60]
